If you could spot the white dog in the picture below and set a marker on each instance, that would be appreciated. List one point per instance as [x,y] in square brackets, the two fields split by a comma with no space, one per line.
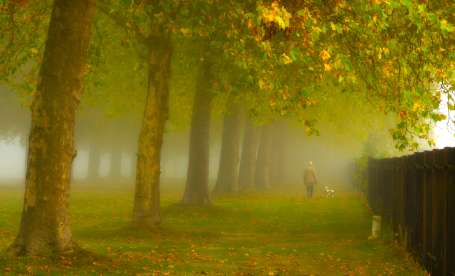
[329,193]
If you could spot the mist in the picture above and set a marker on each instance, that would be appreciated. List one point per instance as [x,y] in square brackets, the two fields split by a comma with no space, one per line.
[107,150]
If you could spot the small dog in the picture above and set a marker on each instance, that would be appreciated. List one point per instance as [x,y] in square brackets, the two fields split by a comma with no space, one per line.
[329,193]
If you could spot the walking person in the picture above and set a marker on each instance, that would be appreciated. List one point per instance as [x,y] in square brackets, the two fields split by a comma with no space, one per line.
[309,179]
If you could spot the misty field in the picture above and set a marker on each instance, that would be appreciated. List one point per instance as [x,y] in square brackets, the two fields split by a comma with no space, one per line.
[256,234]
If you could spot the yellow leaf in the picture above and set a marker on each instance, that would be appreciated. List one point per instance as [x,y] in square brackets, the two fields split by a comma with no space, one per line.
[327,67]
[325,54]
[286,59]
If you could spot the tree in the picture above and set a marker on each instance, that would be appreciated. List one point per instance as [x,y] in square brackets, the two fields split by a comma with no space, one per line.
[392,53]
[157,58]
[263,163]
[197,186]
[278,153]
[45,227]
[249,156]
[228,172]
[147,193]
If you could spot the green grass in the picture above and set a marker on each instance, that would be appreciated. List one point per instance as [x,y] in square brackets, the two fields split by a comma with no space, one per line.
[246,235]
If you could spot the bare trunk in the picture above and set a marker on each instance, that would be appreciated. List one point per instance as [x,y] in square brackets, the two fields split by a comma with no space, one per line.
[249,156]
[45,227]
[146,212]
[93,164]
[228,173]
[262,177]
[197,183]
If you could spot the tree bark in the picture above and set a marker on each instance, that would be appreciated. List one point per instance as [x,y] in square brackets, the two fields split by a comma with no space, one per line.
[262,176]
[197,183]
[228,172]
[45,227]
[249,156]
[146,212]
[93,164]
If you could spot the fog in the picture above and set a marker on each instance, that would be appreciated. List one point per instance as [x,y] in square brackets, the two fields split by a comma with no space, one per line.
[115,140]
[106,148]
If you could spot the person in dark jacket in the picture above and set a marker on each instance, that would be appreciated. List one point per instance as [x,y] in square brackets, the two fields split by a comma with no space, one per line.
[309,179]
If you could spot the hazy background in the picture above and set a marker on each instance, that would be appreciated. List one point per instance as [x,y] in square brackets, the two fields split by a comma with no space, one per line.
[115,139]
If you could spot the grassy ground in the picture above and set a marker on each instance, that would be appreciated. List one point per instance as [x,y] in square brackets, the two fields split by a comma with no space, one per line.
[249,235]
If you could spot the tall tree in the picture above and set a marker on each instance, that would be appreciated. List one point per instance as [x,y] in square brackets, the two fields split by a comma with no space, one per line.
[228,172]
[148,169]
[263,163]
[197,182]
[152,33]
[249,156]
[45,227]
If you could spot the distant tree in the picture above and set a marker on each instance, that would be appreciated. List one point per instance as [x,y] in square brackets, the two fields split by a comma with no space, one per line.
[279,153]
[248,158]
[228,171]
[14,117]
[197,182]
[263,163]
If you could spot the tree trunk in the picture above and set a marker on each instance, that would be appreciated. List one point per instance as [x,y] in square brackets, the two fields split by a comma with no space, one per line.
[115,170]
[197,183]
[228,172]
[278,154]
[146,212]
[249,156]
[45,227]
[93,164]
[262,177]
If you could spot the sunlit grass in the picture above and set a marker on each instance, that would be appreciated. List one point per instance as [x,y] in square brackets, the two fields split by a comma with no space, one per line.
[257,234]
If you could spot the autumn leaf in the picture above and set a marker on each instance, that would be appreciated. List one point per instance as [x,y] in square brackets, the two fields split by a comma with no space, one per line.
[327,67]
[325,55]
[286,59]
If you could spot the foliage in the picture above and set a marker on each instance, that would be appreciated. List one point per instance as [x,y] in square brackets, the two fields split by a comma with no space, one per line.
[279,57]
[391,53]
[23,25]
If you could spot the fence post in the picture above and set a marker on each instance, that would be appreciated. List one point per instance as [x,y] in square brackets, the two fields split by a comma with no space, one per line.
[403,200]
[394,171]
[420,198]
[372,182]
[437,212]
[379,188]
[385,189]
[450,215]
[410,205]
[427,208]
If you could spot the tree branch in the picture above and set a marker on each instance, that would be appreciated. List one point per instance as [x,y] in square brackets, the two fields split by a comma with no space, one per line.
[122,22]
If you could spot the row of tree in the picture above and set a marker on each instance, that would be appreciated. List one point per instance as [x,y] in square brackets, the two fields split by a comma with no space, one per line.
[265,58]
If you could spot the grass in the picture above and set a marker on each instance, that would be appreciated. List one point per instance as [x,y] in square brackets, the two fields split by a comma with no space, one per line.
[267,234]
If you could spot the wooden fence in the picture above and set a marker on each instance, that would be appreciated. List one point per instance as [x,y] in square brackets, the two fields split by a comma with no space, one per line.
[415,195]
